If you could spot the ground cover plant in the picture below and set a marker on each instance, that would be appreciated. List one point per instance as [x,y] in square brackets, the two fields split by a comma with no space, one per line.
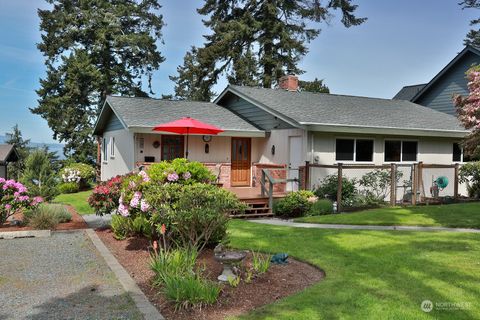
[461,215]
[371,274]
[46,216]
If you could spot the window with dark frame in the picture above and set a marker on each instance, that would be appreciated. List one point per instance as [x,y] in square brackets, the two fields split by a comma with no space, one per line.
[344,149]
[399,151]
[457,152]
[112,147]
[360,150]
[172,147]
[105,149]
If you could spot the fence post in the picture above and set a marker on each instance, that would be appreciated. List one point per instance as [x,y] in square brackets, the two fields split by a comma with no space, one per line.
[393,184]
[420,180]
[455,178]
[263,181]
[414,183]
[307,175]
[339,187]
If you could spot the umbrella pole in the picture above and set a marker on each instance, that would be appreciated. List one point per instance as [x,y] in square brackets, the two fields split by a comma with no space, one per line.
[187,143]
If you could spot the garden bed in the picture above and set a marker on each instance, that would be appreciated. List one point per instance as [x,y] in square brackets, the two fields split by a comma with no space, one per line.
[278,282]
[77,222]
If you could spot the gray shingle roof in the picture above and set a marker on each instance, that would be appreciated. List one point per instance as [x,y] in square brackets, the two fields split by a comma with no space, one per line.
[408,92]
[145,112]
[7,153]
[342,110]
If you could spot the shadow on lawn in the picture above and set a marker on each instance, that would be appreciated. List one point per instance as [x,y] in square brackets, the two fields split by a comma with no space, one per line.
[371,274]
[88,303]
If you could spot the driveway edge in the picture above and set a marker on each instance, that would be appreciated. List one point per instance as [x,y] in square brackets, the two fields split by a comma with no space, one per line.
[146,308]
[25,234]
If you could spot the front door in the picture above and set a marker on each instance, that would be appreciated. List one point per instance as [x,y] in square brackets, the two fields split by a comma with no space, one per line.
[172,147]
[240,171]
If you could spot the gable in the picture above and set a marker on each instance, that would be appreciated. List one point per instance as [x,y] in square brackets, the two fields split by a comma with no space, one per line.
[107,121]
[113,123]
[252,113]
[452,80]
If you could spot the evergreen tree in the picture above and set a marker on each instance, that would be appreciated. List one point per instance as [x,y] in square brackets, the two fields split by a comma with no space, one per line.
[15,138]
[39,176]
[473,36]
[313,86]
[254,42]
[93,48]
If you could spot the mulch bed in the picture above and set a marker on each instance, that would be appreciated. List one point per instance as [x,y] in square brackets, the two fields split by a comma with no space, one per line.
[77,222]
[280,281]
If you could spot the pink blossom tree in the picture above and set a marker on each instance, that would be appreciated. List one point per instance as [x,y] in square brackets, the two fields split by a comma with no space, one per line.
[468,110]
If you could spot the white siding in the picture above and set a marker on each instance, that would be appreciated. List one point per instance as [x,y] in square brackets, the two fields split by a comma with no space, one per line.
[279,139]
[123,161]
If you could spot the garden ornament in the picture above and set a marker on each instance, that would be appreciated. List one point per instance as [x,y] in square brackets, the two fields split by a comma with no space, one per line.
[279,258]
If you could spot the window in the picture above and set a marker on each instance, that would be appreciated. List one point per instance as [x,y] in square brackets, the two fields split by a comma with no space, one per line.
[360,150]
[396,150]
[104,149]
[457,153]
[172,147]
[112,147]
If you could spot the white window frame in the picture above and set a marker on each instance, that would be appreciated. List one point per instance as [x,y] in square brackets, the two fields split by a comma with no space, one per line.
[461,153]
[401,150]
[112,147]
[104,150]
[354,150]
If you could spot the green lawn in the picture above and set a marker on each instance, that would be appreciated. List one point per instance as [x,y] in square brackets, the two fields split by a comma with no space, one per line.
[465,215]
[77,200]
[371,274]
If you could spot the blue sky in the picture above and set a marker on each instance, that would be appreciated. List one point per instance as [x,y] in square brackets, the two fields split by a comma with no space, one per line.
[403,42]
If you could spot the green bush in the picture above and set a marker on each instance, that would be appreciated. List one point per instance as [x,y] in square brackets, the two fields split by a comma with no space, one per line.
[177,262]
[321,207]
[121,226]
[47,216]
[68,187]
[328,189]
[295,204]
[470,173]
[80,173]
[180,170]
[376,185]
[190,291]
[39,176]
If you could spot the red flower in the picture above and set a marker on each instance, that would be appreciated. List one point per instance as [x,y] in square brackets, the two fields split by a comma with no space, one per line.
[163,229]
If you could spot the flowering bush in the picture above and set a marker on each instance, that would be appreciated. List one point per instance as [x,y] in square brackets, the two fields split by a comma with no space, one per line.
[105,196]
[180,171]
[79,173]
[14,197]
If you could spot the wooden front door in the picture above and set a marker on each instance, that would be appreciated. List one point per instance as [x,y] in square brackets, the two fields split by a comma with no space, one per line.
[172,147]
[240,171]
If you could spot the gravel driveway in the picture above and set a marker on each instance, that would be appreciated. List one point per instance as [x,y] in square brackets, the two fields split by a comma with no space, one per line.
[59,277]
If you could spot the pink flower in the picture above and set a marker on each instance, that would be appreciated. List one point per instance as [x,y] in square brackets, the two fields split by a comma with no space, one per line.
[123,210]
[144,176]
[8,206]
[136,199]
[187,175]
[144,206]
[172,177]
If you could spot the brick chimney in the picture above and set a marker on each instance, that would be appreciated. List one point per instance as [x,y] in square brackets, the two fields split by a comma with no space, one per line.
[288,82]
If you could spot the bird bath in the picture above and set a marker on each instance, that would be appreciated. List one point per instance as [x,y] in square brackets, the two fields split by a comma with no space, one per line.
[228,259]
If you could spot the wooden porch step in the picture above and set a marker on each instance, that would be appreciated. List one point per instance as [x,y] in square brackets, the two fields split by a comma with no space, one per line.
[256,207]
[252,215]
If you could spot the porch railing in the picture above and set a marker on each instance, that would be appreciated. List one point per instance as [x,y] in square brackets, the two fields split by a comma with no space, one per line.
[267,176]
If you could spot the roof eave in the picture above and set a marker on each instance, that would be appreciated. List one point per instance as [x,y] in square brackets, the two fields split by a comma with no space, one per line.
[341,128]
[226,133]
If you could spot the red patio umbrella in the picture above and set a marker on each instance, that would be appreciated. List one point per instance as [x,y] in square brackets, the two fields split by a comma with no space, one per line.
[188,126]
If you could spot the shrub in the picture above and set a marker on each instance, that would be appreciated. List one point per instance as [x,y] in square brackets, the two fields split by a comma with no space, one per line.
[180,170]
[105,196]
[68,187]
[321,207]
[14,197]
[121,227]
[80,173]
[39,176]
[470,173]
[295,204]
[47,216]
[376,185]
[328,189]
[177,262]
[260,262]
[190,291]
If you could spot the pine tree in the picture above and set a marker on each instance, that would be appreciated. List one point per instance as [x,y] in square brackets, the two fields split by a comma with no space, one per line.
[254,42]
[473,36]
[39,176]
[93,48]
[15,138]
[313,86]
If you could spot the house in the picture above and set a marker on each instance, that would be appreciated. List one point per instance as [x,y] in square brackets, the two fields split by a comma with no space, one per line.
[8,154]
[437,94]
[277,129]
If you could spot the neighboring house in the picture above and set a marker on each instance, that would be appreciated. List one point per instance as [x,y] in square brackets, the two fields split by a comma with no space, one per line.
[277,128]
[438,93]
[8,154]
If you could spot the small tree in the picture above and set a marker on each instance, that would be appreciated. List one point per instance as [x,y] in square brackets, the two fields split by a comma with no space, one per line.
[468,110]
[38,176]
[15,138]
